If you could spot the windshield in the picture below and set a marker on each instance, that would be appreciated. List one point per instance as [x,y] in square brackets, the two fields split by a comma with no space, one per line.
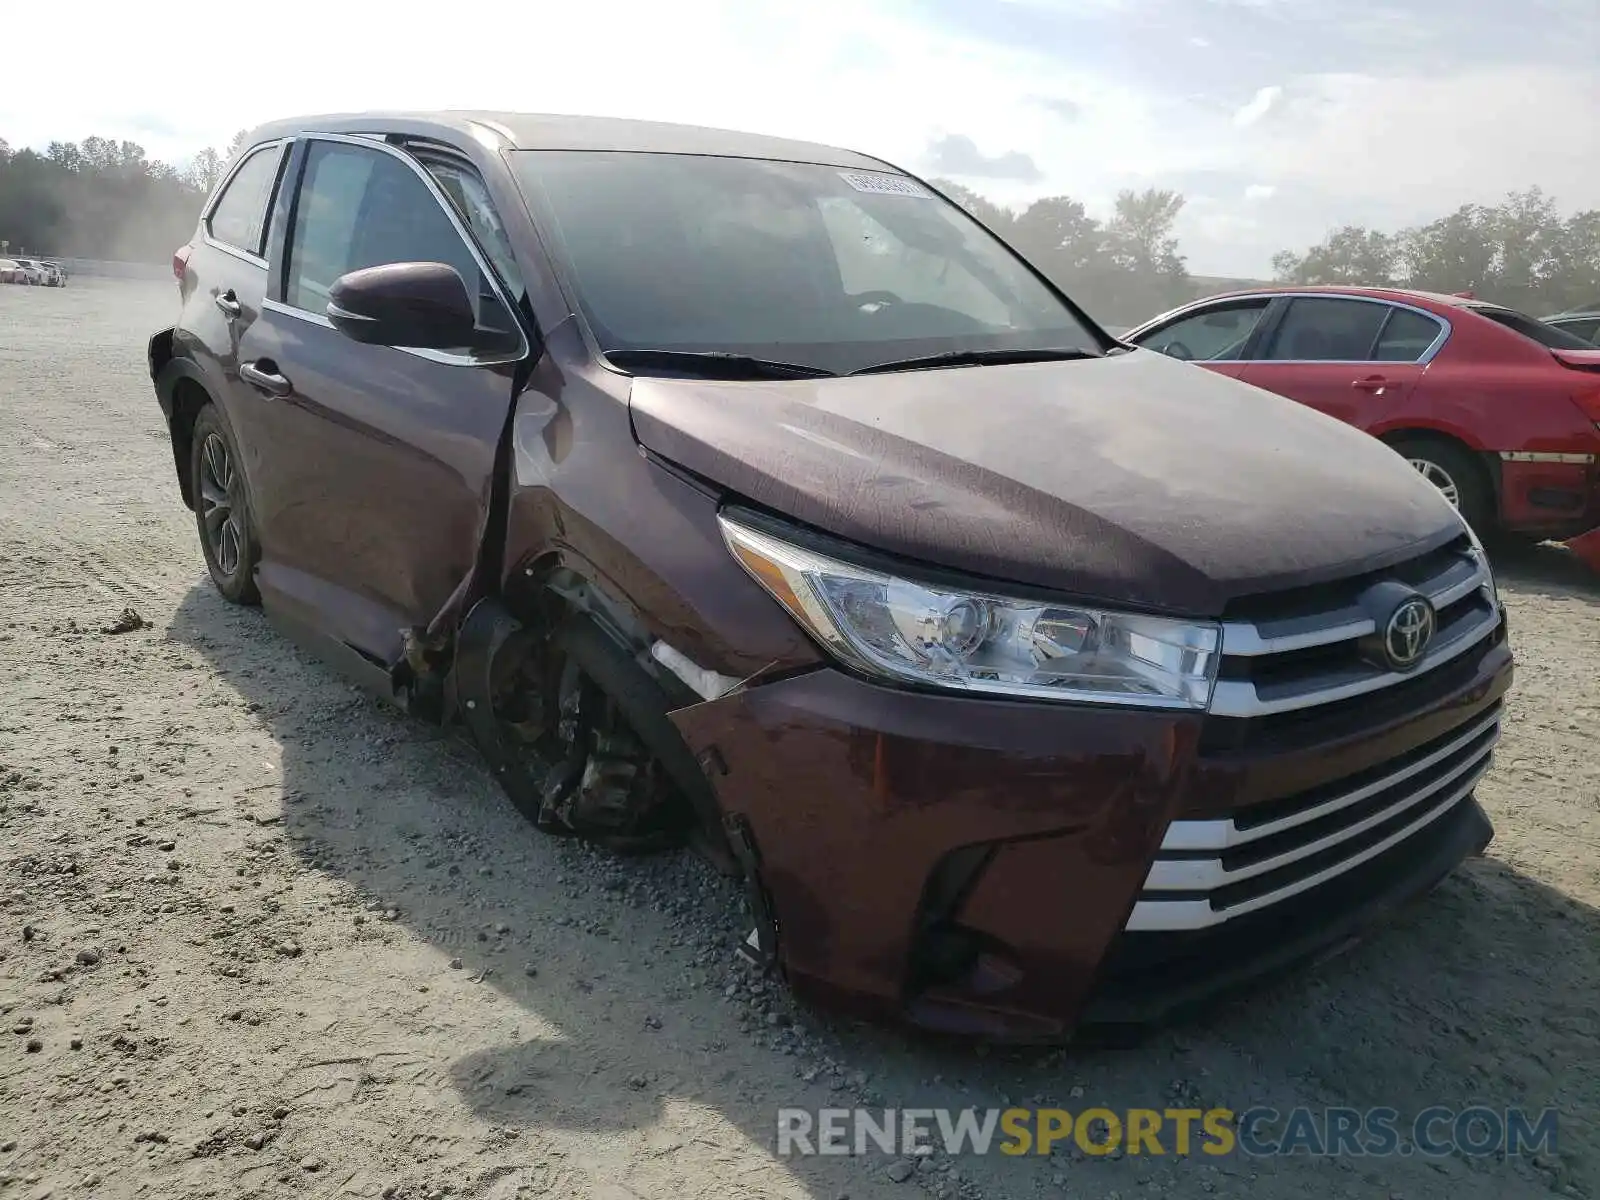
[1546,335]
[799,262]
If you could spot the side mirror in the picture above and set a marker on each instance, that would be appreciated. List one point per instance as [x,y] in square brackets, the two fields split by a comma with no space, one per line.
[421,304]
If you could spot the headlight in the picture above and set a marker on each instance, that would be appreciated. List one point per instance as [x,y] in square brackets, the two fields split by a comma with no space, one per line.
[1482,555]
[969,641]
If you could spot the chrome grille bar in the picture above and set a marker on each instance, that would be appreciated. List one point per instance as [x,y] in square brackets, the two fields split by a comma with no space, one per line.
[1151,915]
[1242,697]
[1209,874]
[1224,833]
[1246,639]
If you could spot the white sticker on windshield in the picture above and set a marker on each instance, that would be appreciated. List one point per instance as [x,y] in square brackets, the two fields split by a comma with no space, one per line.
[885,185]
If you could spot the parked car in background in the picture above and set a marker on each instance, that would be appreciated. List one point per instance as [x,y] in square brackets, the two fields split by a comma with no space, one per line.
[1495,408]
[10,271]
[746,491]
[59,269]
[1582,323]
[49,275]
[30,272]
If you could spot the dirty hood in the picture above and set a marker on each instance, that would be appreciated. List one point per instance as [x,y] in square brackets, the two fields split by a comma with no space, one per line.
[1132,478]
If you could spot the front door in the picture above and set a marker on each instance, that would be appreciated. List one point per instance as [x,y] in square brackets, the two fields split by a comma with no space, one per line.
[376,463]
[1214,336]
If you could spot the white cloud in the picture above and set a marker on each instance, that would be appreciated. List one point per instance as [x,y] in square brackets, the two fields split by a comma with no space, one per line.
[1437,142]
[882,76]
[1260,105]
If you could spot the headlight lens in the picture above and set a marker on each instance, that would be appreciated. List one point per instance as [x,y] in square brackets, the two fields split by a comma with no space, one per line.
[898,628]
[1482,555]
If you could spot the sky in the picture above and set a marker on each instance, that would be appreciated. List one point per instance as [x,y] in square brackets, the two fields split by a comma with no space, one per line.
[1277,119]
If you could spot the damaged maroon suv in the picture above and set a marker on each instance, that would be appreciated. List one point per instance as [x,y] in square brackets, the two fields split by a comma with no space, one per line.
[747,492]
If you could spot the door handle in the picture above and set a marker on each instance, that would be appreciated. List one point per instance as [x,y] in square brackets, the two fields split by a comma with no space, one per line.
[228,303]
[1373,383]
[263,376]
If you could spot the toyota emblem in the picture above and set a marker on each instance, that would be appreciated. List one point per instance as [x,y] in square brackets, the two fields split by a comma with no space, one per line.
[1406,636]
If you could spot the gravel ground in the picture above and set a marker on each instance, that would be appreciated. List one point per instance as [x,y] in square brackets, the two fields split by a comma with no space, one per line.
[261,936]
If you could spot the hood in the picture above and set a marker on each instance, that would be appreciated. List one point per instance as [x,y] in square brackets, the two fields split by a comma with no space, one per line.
[1133,478]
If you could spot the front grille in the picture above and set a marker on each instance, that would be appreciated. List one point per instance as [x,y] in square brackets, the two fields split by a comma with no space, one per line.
[1309,664]
[1303,657]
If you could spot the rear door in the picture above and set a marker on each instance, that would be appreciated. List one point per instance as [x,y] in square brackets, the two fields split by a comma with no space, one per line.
[376,462]
[1354,358]
[226,279]
[1215,336]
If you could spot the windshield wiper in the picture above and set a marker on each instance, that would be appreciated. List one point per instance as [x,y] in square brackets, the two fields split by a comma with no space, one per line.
[978,358]
[717,363]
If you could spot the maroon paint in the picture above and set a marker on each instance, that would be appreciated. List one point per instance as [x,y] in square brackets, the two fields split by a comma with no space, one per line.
[1128,478]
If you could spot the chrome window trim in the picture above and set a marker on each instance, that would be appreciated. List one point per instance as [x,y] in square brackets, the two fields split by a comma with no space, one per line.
[1427,356]
[1224,833]
[255,260]
[239,252]
[438,356]
[334,310]
[1168,915]
[376,142]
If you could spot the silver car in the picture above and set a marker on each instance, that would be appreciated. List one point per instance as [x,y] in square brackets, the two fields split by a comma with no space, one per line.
[1585,323]
[33,271]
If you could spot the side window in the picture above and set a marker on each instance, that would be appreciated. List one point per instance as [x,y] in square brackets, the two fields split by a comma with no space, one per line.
[1406,335]
[1588,328]
[240,215]
[1217,334]
[1327,329]
[363,208]
[471,198]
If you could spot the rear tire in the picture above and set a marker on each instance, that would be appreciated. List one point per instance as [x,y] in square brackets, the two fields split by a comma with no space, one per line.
[1456,473]
[222,510]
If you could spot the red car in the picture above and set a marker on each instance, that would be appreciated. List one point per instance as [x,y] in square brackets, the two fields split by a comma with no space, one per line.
[1496,408]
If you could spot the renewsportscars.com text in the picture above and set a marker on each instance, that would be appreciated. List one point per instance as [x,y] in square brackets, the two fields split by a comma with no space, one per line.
[1259,1131]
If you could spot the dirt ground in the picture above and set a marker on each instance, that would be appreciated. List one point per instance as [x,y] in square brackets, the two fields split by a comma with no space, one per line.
[261,936]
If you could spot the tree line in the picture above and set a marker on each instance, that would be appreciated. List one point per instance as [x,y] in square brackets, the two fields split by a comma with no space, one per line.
[1521,253]
[101,198]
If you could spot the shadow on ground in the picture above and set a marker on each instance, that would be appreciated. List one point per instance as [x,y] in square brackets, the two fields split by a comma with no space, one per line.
[1545,569]
[1486,993]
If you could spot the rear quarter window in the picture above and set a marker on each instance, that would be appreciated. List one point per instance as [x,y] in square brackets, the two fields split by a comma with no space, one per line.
[239,217]
[1406,336]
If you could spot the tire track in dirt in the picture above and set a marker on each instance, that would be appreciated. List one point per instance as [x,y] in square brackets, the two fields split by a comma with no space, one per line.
[278,874]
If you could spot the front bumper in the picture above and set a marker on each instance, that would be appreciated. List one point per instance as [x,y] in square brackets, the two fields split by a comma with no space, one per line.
[1549,494]
[971,865]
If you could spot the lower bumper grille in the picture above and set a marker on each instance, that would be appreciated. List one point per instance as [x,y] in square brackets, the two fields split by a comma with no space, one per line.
[1212,871]
[1155,975]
